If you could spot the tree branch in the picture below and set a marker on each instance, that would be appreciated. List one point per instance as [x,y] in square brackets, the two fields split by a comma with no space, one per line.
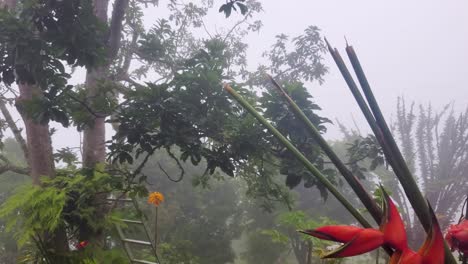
[87,107]
[236,25]
[14,128]
[8,166]
[118,14]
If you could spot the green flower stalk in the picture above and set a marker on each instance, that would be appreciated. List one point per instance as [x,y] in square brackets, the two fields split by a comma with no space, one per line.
[374,117]
[352,180]
[330,187]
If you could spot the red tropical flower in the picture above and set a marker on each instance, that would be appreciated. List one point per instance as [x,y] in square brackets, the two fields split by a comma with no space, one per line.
[357,240]
[392,225]
[457,237]
[82,244]
[391,233]
[431,252]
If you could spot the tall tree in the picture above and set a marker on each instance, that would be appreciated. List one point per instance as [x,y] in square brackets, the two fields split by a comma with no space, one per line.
[435,143]
[38,149]
[183,107]
[94,136]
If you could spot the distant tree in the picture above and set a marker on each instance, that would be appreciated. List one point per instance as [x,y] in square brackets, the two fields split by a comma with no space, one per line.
[9,181]
[195,225]
[262,249]
[434,146]
[305,249]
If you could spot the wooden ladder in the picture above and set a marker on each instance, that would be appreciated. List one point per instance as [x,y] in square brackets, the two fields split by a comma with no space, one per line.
[127,242]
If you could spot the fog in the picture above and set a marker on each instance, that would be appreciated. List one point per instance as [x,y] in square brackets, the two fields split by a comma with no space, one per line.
[416,49]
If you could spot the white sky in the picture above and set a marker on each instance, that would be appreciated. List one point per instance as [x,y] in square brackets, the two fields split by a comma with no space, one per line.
[416,48]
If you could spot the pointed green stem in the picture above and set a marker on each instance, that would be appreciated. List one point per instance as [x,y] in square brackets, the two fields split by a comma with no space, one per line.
[405,176]
[330,187]
[352,180]
[382,132]
[156,228]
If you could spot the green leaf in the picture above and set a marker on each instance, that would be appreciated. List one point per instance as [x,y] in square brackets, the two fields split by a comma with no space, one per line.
[243,8]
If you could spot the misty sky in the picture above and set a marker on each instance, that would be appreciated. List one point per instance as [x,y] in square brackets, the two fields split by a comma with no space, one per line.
[416,48]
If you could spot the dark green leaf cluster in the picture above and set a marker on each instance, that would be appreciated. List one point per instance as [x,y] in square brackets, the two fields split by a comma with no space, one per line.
[66,155]
[39,42]
[193,113]
[299,58]
[157,42]
[290,126]
[66,201]
[231,5]
[185,112]
[364,148]
[34,44]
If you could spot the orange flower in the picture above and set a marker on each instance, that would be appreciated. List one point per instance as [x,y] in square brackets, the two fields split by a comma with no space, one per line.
[391,233]
[457,237]
[156,198]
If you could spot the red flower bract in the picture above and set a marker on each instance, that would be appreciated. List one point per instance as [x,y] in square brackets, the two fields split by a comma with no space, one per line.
[457,237]
[357,240]
[392,226]
[391,233]
[82,244]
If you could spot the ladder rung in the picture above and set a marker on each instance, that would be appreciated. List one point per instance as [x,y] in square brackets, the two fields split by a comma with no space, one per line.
[137,222]
[138,242]
[120,200]
[143,261]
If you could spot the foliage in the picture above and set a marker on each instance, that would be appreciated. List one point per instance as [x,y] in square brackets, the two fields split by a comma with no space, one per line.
[231,5]
[178,253]
[262,249]
[286,232]
[34,48]
[193,113]
[89,255]
[38,206]
[365,148]
[184,111]
[8,183]
[65,201]
[195,225]
[303,62]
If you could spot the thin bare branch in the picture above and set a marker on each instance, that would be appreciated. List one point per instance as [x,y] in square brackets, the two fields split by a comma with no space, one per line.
[236,25]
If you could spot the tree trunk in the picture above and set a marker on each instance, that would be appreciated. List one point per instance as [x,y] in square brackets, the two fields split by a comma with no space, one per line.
[10,4]
[39,147]
[39,144]
[94,137]
[40,155]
